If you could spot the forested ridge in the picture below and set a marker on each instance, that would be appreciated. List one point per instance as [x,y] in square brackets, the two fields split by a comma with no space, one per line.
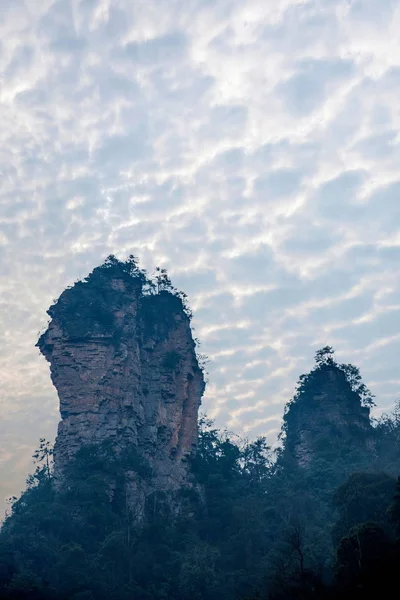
[317,518]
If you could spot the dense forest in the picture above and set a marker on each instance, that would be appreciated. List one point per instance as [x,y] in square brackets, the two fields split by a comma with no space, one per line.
[317,518]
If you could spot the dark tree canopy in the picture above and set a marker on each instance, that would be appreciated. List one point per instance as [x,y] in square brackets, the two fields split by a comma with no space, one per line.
[255,524]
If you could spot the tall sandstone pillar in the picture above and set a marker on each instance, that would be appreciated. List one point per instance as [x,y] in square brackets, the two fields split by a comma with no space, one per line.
[125,369]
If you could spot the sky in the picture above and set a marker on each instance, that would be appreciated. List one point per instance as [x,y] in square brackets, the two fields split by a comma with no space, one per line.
[251,147]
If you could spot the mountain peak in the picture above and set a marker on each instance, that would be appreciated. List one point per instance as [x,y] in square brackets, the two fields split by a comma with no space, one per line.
[329,414]
[123,361]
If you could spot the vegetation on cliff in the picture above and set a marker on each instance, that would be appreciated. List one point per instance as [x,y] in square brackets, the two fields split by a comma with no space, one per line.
[317,518]
[86,307]
[257,525]
[124,363]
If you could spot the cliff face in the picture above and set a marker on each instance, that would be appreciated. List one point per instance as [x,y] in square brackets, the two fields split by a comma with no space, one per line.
[125,369]
[327,420]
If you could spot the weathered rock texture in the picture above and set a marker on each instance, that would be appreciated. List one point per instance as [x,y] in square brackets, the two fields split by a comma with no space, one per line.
[125,369]
[327,419]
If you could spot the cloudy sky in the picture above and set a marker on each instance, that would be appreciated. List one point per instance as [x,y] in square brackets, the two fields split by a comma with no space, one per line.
[252,147]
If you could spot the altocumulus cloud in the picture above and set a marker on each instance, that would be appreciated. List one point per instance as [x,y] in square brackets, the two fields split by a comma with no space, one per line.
[252,148]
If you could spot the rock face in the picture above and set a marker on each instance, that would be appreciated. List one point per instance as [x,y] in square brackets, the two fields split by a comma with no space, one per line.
[327,419]
[125,369]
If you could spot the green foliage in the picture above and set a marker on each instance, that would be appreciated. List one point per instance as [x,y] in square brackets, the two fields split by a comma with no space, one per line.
[250,526]
[388,441]
[82,541]
[366,550]
[162,283]
[353,377]
[85,309]
[129,269]
[394,510]
[363,497]
[159,314]
[324,359]
[324,356]
[310,384]
[44,456]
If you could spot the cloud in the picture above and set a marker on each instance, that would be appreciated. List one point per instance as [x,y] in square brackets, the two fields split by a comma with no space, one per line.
[278,184]
[339,195]
[308,88]
[251,149]
[157,51]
